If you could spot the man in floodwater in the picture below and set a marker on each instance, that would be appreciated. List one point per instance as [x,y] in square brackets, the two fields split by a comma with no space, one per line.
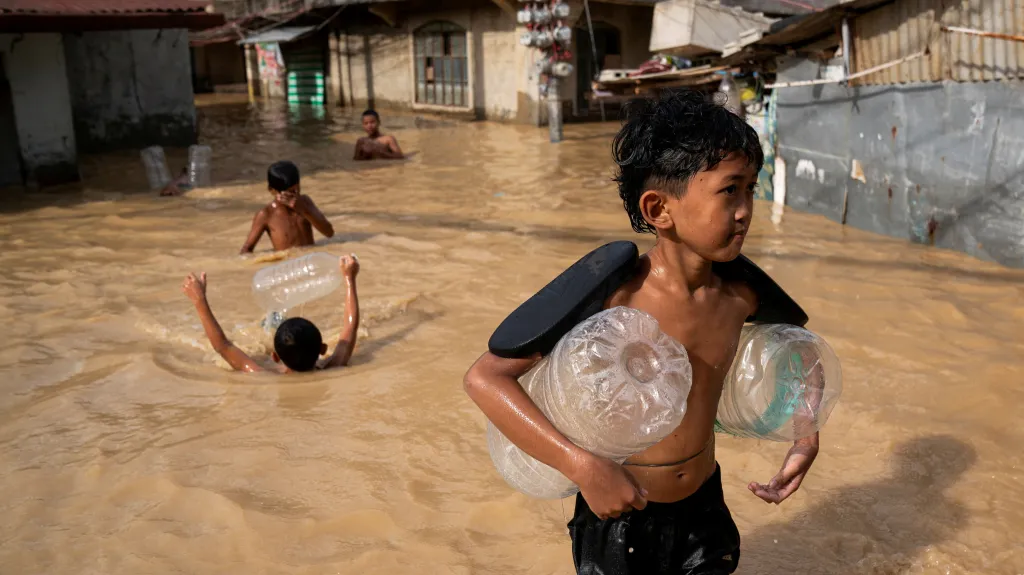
[376,145]
[687,172]
[298,343]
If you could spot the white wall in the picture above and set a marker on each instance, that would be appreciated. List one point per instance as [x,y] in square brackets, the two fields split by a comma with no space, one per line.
[35,68]
[380,64]
[494,51]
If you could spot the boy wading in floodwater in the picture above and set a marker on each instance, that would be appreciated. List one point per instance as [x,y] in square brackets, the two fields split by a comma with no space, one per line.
[375,145]
[687,173]
[290,217]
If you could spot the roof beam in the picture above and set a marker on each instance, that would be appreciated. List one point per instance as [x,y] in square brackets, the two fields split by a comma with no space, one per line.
[116,21]
[388,12]
[505,5]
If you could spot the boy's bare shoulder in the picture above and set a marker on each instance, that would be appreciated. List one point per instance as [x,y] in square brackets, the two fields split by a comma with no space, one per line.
[262,214]
[742,294]
[624,294]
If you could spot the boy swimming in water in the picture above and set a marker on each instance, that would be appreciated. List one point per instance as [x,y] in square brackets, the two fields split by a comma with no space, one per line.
[687,170]
[298,343]
[376,145]
[290,217]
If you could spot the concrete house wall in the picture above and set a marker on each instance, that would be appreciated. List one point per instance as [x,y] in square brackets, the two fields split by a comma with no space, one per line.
[375,64]
[131,88]
[35,69]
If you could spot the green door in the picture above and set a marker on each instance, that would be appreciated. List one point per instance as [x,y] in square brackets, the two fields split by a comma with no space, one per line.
[305,80]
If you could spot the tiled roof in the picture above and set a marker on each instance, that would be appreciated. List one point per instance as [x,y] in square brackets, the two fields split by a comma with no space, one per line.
[100,7]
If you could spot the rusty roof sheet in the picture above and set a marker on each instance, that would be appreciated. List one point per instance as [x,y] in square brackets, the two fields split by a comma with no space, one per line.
[100,7]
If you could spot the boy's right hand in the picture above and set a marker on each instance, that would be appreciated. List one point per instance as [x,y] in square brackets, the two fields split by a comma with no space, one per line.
[195,287]
[290,199]
[608,488]
[349,266]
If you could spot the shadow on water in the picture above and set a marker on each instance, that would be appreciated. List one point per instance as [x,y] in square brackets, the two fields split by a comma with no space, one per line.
[344,238]
[917,514]
[1008,276]
[365,351]
[245,138]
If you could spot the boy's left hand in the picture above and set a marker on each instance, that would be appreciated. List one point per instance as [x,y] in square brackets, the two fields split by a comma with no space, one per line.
[349,265]
[195,287]
[798,461]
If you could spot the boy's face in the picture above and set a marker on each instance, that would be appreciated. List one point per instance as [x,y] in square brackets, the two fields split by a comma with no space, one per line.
[371,124]
[713,215]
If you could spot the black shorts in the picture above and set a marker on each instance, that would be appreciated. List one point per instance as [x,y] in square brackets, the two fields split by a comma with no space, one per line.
[694,536]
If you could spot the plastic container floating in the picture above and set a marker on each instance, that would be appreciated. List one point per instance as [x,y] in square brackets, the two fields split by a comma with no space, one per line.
[291,283]
[541,15]
[782,386]
[563,35]
[614,385]
[199,159]
[155,161]
[561,69]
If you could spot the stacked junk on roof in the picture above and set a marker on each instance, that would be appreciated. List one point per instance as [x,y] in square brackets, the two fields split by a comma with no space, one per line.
[902,117]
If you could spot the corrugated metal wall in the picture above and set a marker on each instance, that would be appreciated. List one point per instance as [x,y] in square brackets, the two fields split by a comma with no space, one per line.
[908,26]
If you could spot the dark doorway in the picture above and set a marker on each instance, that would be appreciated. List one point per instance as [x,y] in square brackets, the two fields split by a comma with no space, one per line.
[10,148]
[608,42]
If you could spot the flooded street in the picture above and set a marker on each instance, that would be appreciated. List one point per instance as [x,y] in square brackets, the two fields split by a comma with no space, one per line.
[128,448]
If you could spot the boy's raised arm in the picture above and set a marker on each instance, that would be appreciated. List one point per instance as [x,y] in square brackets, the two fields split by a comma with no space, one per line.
[347,338]
[307,207]
[195,288]
[493,384]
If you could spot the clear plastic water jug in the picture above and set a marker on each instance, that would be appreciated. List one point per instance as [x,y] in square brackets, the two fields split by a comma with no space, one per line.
[614,385]
[199,160]
[156,167]
[782,386]
[730,93]
[291,283]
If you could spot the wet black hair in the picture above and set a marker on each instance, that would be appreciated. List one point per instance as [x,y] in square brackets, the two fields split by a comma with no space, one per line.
[668,138]
[298,343]
[282,175]
[371,112]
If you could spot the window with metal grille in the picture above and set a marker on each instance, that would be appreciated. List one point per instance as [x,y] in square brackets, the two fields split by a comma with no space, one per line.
[442,73]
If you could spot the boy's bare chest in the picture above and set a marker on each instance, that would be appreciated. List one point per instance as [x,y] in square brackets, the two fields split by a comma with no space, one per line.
[708,330]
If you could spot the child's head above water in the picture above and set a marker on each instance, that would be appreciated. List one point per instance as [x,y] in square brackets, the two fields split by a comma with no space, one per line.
[371,123]
[282,176]
[298,344]
[687,172]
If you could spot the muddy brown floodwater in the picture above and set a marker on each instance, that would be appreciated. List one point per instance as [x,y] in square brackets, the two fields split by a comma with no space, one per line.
[128,448]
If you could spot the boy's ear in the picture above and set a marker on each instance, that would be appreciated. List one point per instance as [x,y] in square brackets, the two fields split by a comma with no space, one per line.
[275,357]
[323,349]
[654,208]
